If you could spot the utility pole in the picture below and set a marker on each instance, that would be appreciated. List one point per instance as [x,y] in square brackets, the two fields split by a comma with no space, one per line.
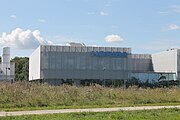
[104,68]
[7,68]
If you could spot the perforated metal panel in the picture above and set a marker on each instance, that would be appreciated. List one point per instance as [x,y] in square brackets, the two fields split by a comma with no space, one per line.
[141,63]
[71,62]
[79,63]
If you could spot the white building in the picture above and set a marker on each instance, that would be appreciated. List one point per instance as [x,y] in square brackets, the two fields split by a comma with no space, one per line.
[82,64]
[168,62]
[7,68]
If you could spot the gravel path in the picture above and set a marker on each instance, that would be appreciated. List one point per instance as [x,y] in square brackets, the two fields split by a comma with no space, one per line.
[36,112]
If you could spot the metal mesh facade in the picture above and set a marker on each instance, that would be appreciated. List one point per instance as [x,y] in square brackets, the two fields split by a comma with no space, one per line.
[58,63]
[141,63]
[70,62]
[178,64]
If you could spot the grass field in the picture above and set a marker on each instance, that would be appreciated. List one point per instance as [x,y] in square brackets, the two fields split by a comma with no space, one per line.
[25,96]
[163,114]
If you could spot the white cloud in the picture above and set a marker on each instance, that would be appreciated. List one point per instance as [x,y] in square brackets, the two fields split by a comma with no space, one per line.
[176,8]
[173,27]
[23,39]
[91,13]
[108,5]
[13,16]
[103,13]
[113,38]
[160,45]
[171,10]
[164,13]
[42,20]
[114,26]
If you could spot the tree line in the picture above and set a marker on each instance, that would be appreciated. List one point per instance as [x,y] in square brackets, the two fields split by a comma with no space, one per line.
[21,68]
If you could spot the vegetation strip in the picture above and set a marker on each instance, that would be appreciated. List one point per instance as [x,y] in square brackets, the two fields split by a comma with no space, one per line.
[84,110]
[22,95]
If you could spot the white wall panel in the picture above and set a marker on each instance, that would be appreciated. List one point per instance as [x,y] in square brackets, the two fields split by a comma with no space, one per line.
[165,61]
[34,65]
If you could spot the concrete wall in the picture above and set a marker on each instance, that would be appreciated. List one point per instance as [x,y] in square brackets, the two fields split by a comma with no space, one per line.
[34,65]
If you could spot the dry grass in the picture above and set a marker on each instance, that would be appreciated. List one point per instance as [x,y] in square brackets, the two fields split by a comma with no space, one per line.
[24,94]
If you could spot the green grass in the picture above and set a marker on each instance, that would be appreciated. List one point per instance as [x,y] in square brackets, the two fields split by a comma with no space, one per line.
[163,114]
[29,96]
[83,107]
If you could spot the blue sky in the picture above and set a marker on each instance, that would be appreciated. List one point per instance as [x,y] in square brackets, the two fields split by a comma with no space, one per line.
[147,26]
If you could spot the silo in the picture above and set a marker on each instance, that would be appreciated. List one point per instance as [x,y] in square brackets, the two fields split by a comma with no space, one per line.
[6,63]
[6,55]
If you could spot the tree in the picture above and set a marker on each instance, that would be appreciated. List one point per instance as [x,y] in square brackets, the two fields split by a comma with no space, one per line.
[21,68]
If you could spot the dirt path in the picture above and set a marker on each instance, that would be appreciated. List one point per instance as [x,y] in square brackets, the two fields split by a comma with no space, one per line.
[35,112]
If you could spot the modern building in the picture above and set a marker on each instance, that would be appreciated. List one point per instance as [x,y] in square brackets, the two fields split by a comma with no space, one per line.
[82,64]
[7,68]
